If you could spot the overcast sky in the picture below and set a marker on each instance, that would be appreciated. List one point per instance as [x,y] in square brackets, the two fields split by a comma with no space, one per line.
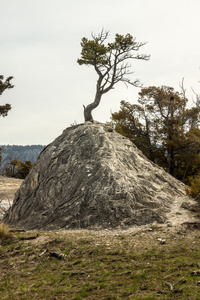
[40,45]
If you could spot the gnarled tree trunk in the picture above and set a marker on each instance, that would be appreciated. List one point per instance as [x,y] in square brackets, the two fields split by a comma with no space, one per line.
[89,108]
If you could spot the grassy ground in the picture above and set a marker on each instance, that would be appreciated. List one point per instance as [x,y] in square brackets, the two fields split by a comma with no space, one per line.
[101,264]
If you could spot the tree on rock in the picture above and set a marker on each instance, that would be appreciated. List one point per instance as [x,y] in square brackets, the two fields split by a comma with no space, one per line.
[4,109]
[111,63]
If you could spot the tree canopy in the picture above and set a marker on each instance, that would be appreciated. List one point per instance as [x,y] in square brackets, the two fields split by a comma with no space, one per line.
[18,169]
[4,85]
[164,128]
[111,62]
[4,109]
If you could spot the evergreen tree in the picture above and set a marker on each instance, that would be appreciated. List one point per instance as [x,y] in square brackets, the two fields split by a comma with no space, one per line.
[111,63]
[18,169]
[164,129]
[4,109]
[0,156]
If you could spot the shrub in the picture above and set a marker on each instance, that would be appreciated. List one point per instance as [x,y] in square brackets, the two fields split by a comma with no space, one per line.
[193,189]
[18,169]
[5,234]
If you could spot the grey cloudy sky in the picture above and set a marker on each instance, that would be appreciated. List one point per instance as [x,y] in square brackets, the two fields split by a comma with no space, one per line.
[40,44]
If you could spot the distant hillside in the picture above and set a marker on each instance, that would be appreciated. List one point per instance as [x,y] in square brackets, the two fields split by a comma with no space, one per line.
[21,153]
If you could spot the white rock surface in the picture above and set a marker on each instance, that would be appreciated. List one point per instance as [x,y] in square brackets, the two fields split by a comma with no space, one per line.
[92,177]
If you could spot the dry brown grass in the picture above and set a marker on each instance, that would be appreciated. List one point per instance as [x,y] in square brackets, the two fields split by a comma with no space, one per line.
[5,234]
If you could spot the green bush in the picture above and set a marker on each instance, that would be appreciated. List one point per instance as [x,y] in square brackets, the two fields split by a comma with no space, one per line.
[18,169]
[193,189]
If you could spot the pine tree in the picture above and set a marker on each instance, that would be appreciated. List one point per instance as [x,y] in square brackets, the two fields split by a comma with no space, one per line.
[111,63]
[164,129]
[4,85]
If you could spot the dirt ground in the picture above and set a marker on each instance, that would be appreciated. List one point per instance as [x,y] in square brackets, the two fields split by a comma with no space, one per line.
[8,188]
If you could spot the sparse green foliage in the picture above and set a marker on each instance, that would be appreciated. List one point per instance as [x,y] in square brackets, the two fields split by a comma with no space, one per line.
[18,169]
[164,129]
[193,189]
[4,109]
[0,156]
[110,61]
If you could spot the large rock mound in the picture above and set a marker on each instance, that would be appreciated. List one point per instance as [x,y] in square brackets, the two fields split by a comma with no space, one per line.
[91,177]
